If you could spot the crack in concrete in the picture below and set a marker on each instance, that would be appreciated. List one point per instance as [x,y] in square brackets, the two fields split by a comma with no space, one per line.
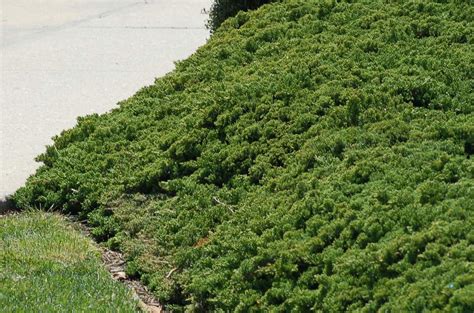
[49,29]
[143,27]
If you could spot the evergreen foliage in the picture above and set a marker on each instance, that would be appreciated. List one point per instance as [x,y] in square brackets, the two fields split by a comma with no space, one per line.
[312,155]
[223,9]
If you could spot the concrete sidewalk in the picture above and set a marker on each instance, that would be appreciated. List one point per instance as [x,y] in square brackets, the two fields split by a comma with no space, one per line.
[65,58]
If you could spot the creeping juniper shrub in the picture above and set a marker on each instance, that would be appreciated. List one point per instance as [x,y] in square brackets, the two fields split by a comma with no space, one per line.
[313,155]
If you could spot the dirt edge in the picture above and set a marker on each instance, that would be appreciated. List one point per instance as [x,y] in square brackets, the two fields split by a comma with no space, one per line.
[115,263]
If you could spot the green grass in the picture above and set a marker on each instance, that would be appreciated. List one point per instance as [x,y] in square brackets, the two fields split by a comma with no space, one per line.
[47,266]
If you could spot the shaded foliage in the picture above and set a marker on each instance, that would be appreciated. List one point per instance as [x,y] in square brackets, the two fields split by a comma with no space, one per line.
[223,9]
[313,155]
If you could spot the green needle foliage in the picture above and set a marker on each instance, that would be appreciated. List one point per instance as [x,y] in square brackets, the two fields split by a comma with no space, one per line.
[313,155]
[47,266]
[223,9]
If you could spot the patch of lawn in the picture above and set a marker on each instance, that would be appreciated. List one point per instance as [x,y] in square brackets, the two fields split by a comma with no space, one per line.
[47,266]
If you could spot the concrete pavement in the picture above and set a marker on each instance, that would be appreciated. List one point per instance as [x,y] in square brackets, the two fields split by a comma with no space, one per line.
[65,58]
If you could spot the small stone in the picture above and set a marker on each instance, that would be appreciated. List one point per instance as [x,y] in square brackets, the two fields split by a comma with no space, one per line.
[119,276]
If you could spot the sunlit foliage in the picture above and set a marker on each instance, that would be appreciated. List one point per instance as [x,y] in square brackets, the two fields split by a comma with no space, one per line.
[313,155]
